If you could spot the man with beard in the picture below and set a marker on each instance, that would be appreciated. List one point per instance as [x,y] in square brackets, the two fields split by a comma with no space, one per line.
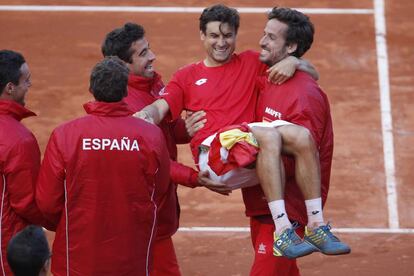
[301,101]
[144,86]
[223,85]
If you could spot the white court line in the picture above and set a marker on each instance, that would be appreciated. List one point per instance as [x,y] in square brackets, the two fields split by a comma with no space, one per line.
[386,114]
[168,9]
[336,230]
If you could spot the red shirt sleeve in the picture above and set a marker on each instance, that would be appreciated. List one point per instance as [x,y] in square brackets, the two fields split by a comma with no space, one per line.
[184,175]
[174,94]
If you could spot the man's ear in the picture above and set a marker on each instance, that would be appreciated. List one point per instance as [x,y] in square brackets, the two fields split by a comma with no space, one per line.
[202,36]
[45,268]
[292,48]
[7,91]
[9,88]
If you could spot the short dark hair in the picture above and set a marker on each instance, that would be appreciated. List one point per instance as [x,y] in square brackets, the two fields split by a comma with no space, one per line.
[300,29]
[10,63]
[118,42]
[219,13]
[28,251]
[109,80]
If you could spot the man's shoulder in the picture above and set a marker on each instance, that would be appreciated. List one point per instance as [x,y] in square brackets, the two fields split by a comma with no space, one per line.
[73,124]
[248,54]
[15,130]
[301,77]
[87,124]
[189,68]
[302,83]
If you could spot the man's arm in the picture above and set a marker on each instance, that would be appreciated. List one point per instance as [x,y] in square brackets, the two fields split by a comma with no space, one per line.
[218,187]
[155,112]
[284,69]
[183,175]
[50,190]
[189,177]
[21,174]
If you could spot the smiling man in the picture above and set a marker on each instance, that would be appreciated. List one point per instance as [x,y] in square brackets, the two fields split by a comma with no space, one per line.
[224,86]
[144,85]
[301,101]
[19,152]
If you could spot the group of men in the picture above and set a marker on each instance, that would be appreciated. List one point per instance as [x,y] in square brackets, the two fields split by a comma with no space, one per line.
[107,184]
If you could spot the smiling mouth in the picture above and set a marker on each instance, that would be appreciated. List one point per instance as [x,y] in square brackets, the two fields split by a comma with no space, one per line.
[264,51]
[221,50]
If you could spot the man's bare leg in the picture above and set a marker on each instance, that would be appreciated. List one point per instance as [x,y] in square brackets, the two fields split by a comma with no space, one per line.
[298,141]
[269,172]
[271,176]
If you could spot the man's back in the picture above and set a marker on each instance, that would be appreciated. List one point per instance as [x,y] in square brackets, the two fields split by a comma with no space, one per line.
[115,169]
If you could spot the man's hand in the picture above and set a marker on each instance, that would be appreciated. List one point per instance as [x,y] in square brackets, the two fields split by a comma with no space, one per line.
[217,187]
[144,116]
[194,121]
[283,70]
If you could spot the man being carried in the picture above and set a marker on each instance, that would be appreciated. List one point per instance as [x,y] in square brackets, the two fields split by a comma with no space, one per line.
[223,85]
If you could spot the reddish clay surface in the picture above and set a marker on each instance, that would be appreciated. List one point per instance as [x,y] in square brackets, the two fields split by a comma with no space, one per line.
[61,49]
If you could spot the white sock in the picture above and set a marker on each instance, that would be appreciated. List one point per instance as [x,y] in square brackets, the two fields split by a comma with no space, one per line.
[279,215]
[314,211]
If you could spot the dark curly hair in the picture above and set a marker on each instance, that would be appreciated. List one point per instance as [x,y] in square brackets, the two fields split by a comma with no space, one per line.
[219,13]
[10,63]
[300,29]
[118,42]
[109,80]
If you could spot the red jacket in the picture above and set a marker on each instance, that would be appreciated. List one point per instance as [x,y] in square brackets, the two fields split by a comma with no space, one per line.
[101,181]
[19,166]
[142,92]
[301,101]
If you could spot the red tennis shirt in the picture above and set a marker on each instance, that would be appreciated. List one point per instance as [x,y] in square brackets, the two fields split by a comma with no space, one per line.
[226,93]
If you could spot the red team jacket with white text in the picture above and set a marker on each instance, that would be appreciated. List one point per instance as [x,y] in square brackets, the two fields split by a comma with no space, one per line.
[101,181]
[19,165]
[301,101]
[142,92]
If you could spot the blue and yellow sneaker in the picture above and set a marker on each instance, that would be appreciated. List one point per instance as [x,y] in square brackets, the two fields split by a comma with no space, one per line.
[323,239]
[290,245]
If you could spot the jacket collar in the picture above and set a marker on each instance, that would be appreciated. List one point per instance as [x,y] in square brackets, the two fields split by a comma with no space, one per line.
[115,109]
[15,110]
[143,83]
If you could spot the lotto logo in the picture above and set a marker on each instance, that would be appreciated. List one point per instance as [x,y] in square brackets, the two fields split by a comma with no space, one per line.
[279,242]
[201,82]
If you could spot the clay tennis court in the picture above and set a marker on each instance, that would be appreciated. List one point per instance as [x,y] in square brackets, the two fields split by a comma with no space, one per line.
[367,74]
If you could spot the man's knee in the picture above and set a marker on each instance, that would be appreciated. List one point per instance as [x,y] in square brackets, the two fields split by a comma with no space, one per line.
[297,139]
[305,139]
[267,138]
